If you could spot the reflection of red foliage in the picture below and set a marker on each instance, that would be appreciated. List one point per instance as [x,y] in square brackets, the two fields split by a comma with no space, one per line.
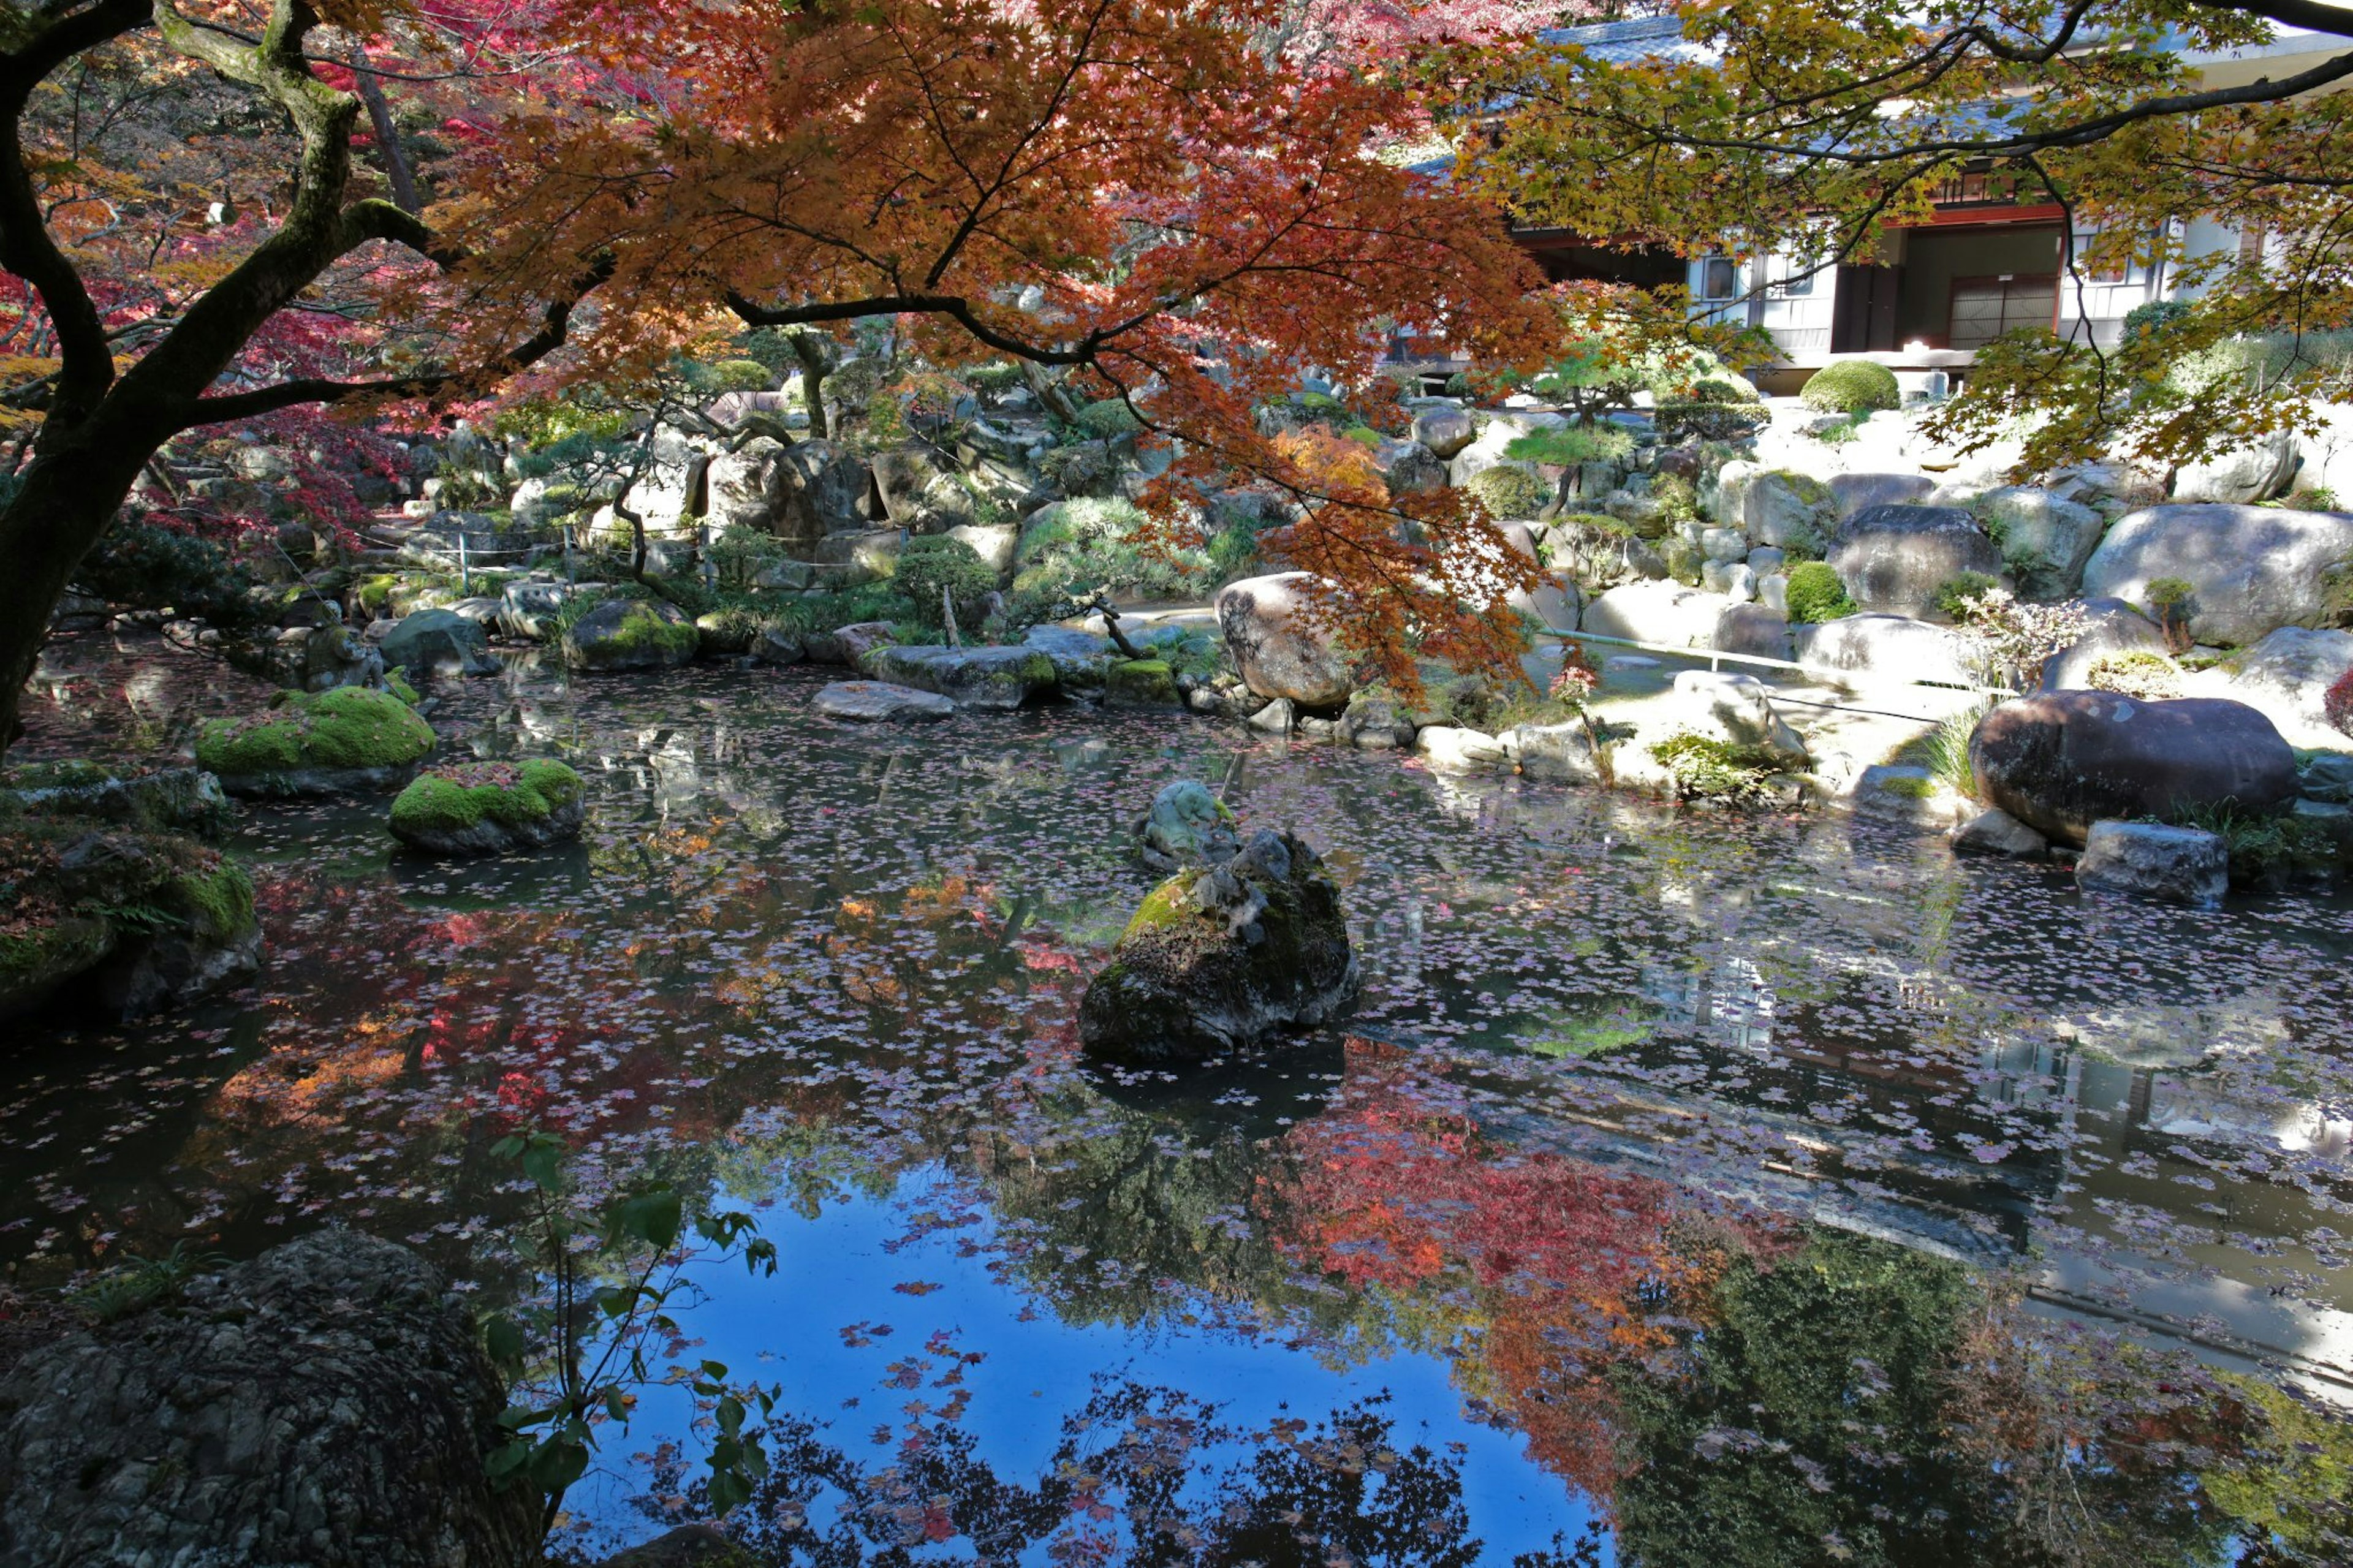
[2338,705]
[1397,1189]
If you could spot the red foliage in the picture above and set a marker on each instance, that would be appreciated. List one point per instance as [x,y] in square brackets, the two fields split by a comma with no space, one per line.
[2338,705]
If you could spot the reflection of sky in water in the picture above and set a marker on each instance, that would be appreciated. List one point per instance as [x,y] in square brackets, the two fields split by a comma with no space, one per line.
[872,942]
[1038,1369]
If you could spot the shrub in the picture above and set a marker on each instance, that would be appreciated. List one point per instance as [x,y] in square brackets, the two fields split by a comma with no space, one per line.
[2338,705]
[1815,594]
[2166,597]
[936,563]
[2151,677]
[1576,444]
[1510,490]
[1703,768]
[1108,418]
[2153,318]
[1678,498]
[1958,596]
[1677,420]
[1717,389]
[1078,548]
[1458,384]
[1944,750]
[732,376]
[1362,435]
[1851,386]
[995,380]
[151,567]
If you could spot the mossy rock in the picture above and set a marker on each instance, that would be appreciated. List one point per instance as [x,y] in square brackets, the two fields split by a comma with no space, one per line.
[1225,959]
[118,921]
[630,633]
[489,808]
[1142,683]
[990,678]
[170,800]
[317,742]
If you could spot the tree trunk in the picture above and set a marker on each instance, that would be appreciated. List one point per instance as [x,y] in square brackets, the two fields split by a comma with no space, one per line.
[811,353]
[387,137]
[67,498]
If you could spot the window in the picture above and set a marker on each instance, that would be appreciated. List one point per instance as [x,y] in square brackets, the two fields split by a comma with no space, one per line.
[1986,308]
[2094,272]
[1797,279]
[1719,278]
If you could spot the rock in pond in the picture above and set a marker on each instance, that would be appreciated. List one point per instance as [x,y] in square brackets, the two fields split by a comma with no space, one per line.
[630,633]
[325,1404]
[487,808]
[879,702]
[1079,657]
[2251,569]
[1283,650]
[1225,958]
[1188,826]
[437,642]
[2178,865]
[2061,760]
[994,678]
[169,800]
[1140,683]
[1995,832]
[325,743]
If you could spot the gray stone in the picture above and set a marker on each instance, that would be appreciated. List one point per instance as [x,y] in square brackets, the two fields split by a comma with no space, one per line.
[2287,676]
[1851,493]
[1733,579]
[1445,431]
[2115,628]
[870,554]
[2045,540]
[994,542]
[1765,560]
[1280,716]
[325,1404]
[2177,865]
[1773,592]
[438,642]
[1892,559]
[527,610]
[1782,510]
[2251,473]
[1188,826]
[1736,708]
[2061,760]
[1889,649]
[798,493]
[1562,753]
[1274,632]
[1756,630]
[1224,960]
[1995,832]
[1409,468]
[1667,614]
[777,644]
[1375,723]
[1081,659]
[491,836]
[876,701]
[1900,793]
[1451,748]
[994,678]
[2251,569]
[630,633]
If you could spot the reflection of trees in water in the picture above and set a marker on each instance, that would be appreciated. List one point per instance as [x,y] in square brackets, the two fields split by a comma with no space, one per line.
[1142,1476]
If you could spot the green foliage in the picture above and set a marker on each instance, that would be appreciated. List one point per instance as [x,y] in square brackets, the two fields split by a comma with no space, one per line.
[139,1283]
[2167,597]
[2151,677]
[845,607]
[1678,420]
[611,1271]
[1362,435]
[349,727]
[1815,594]
[1109,418]
[1602,443]
[467,489]
[930,564]
[1956,596]
[993,379]
[1944,750]
[448,800]
[1510,490]
[1458,386]
[1851,386]
[148,566]
[2267,851]
[742,552]
[732,376]
[1678,500]
[2154,318]
[1705,769]
[1076,548]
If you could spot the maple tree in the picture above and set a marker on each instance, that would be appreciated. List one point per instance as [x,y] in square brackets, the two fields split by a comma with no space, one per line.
[1807,129]
[1121,190]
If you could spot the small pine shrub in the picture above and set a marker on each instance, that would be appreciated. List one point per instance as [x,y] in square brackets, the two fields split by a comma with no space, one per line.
[1458,384]
[1509,491]
[1567,447]
[1109,418]
[1815,594]
[1851,386]
[1956,596]
[933,563]
[1363,436]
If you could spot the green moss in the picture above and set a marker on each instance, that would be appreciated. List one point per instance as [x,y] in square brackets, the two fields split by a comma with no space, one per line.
[450,800]
[1915,789]
[644,628]
[349,727]
[218,902]
[1363,436]
[1851,386]
[1510,490]
[71,774]
[1142,681]
[376,592]
[1168,905]
[1815,594]
[398,686]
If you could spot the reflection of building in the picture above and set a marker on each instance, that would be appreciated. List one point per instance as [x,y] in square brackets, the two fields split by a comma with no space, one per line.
[1987,261]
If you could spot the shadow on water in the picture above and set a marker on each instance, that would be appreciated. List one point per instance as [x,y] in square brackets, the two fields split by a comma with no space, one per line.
[1689,1190]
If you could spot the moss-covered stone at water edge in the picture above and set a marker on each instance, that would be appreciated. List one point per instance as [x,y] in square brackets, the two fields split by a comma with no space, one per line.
[490,808]
[1142,683]
[318,742]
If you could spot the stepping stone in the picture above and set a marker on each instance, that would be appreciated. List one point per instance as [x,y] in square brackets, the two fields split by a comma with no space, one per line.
[878,701]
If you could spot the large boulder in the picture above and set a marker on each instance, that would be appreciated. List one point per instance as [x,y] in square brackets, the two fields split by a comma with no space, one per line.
[2177,865]
[352,738]
[2045,540]
[1409,468]
[1736,708]
[1851,493]
[880,702]
[1080,658]
[2113,627]
[994,678]
[312,658]
[325,1404]
[1782,509]
[490,808]
[438,642]
[1892,559]
[1666,613]
[918,491]
[1277,630]
[2251,569]
[1758,630]
[1225,958]
[1445,431]
[631,634]
[2251,473]
[1889,649]
[798,493]
[2061,760]
[2287,676]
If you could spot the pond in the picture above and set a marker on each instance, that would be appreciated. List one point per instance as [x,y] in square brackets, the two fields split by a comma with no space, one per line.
[1689,1188]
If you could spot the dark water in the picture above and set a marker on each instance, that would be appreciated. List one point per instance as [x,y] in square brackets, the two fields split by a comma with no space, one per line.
[1689,1189]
